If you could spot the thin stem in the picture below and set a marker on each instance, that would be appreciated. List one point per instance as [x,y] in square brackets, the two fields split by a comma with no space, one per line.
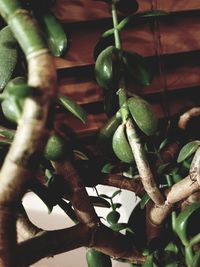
[173,220]
[195,240]
[122,101]
[122,87]
[115,24]
[189,255]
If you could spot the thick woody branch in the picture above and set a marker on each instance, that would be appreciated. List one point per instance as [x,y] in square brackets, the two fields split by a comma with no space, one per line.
[187,116]
[101,238]
[21,161]
[187,190]
[77,193]
[25,228]
[143,165]
[135,185]
[116,245]
[50,243]
[181,190]
[195,197]
[155,217]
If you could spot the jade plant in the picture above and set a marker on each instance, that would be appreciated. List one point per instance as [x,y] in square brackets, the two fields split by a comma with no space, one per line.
[133,150]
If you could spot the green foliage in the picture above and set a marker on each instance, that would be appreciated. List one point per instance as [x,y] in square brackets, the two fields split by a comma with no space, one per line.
[136,68]
[56,148]
[107,68]
[121,146]
[8,56]
[99,202]
[187,150]
[97,259]
[143,115]
[54,34]
[182,222]
[72,107]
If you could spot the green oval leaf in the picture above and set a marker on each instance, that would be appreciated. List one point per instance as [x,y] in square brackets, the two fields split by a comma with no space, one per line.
[187,150]
[72,107]
[56,148]
[136,68]
[116,206]
[99,202]
[8,56]
[104,137]
[97,259]
[7,133]
[55,34]
[196,260]
[121,146]
[107,168]
[12,108]
[15,81]
[113,217]
[149,261]
[131,20]
[143,115]
[116,193]
[104,196]
[182,222]
[107,68]
[103,43]
[163,144]
[145,199]
[121,226]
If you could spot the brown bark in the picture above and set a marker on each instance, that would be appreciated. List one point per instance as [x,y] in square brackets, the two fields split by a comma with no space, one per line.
[155,217]
[50,243]
[21,161]
[144,169]
[77,193]
[25,228]
[119,181]
[187,116]
[181,190]
[101,238]
[193,198]
[8,237]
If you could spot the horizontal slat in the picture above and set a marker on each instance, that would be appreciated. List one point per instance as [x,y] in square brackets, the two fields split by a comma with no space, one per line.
[175,34]
[84,10]
[179,71]
[176,106]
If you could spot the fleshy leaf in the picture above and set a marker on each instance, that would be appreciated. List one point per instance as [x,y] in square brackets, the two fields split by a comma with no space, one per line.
[72,107]
[182,222]
[8,134]
[121,226]
[107,168]
[143,114]
[116,193]
[99,202]
[163,144]
[8,56]
[145,199]
[80,155]
[55,34]
[136,68]
[129,20]
[187,150]
[104,196]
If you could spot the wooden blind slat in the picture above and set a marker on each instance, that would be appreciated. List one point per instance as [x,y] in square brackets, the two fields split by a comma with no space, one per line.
[84,10]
